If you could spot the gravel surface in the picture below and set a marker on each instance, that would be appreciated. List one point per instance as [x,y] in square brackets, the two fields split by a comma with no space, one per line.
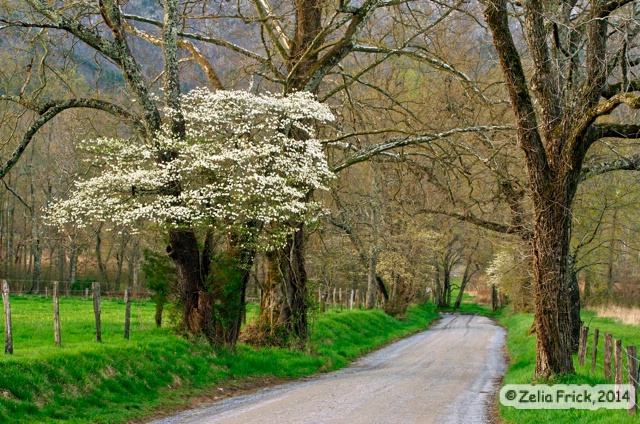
[447,374]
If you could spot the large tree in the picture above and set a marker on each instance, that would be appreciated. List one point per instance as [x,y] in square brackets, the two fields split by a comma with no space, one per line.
[580,56]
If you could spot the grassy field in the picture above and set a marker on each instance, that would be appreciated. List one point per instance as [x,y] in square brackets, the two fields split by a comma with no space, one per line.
[521,349]
[119,380]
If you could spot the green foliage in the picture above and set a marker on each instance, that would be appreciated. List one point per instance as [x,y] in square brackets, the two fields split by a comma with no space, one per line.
[510,272]
[120,380]
[81,285]
[225,283]
[160,273]
[522,354]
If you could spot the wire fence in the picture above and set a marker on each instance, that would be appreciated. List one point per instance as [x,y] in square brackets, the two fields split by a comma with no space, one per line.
[77,289]
[612,356]
[95,295]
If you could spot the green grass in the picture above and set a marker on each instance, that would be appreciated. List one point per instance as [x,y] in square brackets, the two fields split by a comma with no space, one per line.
[469,305]
[119,380]
[521,350]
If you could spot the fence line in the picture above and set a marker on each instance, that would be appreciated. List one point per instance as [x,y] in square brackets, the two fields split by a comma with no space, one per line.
[96,296]
[352,299]
[631,370]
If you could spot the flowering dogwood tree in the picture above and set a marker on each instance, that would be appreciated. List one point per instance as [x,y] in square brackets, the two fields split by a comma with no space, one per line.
[235,167]
[236,164]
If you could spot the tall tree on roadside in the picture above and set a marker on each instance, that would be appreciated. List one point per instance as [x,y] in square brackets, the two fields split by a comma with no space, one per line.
[574,54]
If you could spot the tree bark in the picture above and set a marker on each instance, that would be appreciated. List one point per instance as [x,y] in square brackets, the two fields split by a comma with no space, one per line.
[273,309]
[574,304]
[73,267]
[284,296]
[197,308]
[102,268]
[552,313]
[372,280]
[466,277]
[37,257]
[159,310]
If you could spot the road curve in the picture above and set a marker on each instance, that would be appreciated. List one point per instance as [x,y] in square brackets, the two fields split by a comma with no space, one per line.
[447,374]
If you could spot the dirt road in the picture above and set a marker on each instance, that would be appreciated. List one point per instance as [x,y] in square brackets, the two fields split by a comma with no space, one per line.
[444,375]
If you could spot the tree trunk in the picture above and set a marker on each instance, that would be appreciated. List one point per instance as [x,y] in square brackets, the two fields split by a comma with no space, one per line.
[552,316]
[197,305]
[382,289]
[438,288]
[273,310]
[102,268]
[159,310]
[468,273]
[62,261]
[298,273]
[611,251]
[230,288]
[212,288]
[10,237]
[574,299]
[494,298]
[284,297]
[372,280]
[73,267]
[37,258]
[447,287]
[120,258]
[443,285]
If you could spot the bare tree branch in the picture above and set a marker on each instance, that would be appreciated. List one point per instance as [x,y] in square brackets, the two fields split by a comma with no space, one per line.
[215,41]
[631,163]
[50,109]
[273,28]
[211,74]
[525,234]
[394,143]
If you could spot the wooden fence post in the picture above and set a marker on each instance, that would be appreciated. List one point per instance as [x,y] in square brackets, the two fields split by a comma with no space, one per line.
[96,309]
[86,293]
[594,352]
[351,299]
[608,345]
[8,335]
[632,369]
[46,291]
[56,314]
[617,353]
[334,297]
[127,312]
[582,351]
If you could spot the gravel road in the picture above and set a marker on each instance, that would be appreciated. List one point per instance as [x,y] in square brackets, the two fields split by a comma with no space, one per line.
[447,374]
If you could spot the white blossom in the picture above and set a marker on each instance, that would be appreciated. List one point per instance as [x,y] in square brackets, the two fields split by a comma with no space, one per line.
[237,163]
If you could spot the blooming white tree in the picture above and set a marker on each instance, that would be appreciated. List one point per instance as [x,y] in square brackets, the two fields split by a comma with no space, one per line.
[237,164]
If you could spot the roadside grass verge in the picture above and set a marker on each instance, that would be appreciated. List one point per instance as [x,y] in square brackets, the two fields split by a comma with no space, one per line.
[521,348]
[119,380]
